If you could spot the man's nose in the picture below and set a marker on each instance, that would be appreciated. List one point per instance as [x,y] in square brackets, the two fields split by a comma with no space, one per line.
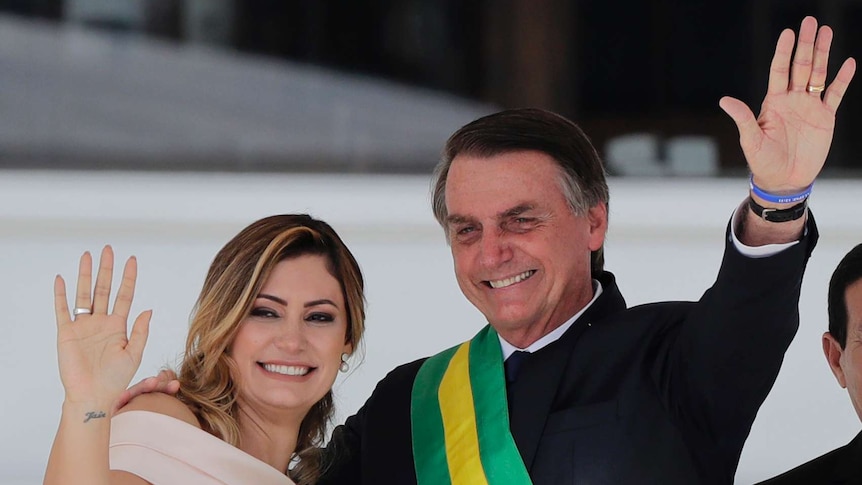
[495,249]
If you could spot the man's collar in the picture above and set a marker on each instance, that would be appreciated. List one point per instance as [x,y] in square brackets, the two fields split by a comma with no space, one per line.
[555,334]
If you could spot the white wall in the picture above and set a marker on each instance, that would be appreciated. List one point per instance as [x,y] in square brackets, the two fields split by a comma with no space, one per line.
[665,243]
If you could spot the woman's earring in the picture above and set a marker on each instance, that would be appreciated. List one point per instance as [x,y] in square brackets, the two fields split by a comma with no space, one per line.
[344,367]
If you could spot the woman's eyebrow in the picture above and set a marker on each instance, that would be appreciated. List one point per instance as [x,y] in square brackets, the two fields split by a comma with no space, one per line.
[322,301]
[273,298]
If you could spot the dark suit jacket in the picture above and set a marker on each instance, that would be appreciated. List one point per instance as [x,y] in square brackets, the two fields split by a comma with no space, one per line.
[842,466]
[663,393]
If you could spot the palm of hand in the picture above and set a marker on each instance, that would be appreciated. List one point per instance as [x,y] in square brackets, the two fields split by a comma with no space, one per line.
[796,136]
[786,146]
[95,362]
[97,359]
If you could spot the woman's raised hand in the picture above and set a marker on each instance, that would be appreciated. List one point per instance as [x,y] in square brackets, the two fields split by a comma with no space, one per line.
[97,359]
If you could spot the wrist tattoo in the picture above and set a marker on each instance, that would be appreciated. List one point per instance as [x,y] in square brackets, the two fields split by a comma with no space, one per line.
[94,415]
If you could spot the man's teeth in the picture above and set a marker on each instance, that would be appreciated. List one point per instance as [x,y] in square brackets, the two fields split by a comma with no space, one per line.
[512,280]
[288,370]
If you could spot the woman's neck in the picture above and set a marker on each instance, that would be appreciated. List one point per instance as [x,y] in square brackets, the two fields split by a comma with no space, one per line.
[268,438]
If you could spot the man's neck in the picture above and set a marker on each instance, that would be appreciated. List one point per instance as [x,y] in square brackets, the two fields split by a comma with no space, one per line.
[511,343]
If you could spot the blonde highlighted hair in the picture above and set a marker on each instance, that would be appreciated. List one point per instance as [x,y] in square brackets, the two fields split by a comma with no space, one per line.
[233,281]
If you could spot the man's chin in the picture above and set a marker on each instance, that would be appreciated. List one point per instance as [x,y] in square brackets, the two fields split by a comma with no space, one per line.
[514,326]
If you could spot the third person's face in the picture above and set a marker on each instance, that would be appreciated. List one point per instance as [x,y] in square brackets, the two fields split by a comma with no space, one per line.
[521,255]
[848,369]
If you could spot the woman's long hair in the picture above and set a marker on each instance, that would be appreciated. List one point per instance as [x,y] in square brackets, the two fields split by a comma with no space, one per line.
[233,282]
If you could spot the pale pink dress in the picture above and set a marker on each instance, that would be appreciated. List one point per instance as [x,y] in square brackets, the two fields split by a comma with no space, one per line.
[164,450]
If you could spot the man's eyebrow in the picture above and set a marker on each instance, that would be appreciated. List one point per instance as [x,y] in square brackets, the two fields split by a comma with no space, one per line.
[512,212]
[458,219]
[516,211]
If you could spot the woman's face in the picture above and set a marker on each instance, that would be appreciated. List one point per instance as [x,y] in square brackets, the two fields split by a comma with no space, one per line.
[288,349]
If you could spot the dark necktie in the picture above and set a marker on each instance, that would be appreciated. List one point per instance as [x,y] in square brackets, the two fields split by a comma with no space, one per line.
[513,364]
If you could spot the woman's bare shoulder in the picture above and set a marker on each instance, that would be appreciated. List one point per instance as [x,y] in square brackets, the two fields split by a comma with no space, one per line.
[161,403]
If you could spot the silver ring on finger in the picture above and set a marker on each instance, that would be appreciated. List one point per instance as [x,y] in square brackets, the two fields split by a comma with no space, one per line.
[80,311]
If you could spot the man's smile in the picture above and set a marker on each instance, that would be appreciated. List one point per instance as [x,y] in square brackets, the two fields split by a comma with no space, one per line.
[496,284]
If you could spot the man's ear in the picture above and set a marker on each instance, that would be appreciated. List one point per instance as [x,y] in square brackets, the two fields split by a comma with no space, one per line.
[597,215]
[833,352]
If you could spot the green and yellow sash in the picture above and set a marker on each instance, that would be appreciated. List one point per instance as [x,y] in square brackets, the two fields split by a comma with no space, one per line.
[460,419]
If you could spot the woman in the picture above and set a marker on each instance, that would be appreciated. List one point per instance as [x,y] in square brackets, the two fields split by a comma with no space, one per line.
[281,310]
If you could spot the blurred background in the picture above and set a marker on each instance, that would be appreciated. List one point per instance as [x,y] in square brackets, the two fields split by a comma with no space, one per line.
[165,126]
[361,85]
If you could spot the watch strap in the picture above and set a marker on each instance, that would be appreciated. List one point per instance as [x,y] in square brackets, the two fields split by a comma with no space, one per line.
[778,215]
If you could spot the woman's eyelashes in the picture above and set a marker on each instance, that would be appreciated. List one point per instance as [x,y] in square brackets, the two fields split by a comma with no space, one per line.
[317,317]
[320,317]
[263,312]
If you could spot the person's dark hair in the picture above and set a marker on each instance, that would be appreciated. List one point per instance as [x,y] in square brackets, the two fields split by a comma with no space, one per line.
[582,175]
[849,271]
[234,280]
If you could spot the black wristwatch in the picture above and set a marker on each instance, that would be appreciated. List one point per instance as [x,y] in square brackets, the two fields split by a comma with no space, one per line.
[778,215]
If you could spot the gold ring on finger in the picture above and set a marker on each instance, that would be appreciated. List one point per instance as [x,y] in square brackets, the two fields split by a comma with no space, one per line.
[815,89]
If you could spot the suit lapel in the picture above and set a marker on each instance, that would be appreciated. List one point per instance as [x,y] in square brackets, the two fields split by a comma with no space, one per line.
[532,395]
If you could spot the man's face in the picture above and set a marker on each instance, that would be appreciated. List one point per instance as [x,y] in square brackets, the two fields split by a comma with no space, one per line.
[846,364]
[522,257]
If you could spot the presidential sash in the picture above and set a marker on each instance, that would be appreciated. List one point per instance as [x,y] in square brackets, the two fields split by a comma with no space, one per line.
[460,418]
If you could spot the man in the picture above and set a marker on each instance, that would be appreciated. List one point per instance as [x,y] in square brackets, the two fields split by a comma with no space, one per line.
[661,393]
[595,392]
[842,346]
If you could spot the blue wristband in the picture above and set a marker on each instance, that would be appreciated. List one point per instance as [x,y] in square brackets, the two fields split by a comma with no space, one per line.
[779,199]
